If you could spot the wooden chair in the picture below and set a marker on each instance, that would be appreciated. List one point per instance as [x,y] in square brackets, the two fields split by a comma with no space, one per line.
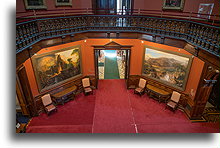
[86,86]
[48,104]
[173,101]
[141,86]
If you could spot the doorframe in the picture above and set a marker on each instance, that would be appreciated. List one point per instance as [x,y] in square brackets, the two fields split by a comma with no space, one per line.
[24,94]
[112,46]
[96,8]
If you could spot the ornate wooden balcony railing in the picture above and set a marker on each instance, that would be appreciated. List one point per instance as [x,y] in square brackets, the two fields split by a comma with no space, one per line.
[203,36]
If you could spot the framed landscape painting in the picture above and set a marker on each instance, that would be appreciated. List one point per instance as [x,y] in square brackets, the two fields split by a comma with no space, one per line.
[173,4]
[57,67]
[168,67]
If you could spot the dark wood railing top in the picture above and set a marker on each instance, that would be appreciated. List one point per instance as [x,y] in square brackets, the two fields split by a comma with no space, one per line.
[31,30]
[32,14]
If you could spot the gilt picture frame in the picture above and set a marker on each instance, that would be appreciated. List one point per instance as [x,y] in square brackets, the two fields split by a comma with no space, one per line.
[29,4]
[167,67]
[63,2]
[173,4]
[57,67]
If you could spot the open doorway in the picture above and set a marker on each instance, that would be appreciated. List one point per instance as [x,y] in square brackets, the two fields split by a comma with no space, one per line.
[121,7]
[124,7]
[111,64]
[118,56]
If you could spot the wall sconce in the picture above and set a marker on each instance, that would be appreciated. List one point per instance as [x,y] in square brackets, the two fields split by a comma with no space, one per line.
[142,42]
[84,40]
[110,40]
[179,49]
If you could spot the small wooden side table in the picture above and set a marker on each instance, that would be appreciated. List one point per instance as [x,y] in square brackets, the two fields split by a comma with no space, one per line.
[64,95]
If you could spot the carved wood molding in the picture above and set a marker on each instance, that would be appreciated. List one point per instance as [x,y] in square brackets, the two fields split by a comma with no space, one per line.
[208,78]
[203,55]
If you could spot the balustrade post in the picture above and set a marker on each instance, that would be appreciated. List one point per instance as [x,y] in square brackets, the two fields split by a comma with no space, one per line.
[87,10]
[34,14]
[161,14]
[190,15]
[139,11]
[213,20]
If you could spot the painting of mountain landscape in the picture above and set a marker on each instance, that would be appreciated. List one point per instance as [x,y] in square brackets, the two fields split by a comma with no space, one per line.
[56,67]
[167,67]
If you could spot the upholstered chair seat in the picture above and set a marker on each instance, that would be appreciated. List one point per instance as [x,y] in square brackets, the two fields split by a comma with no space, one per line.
[50,108]
[138,89]
[86,86]
[141,86]
[88,89]
[171,104]
[174,100]
[48,104]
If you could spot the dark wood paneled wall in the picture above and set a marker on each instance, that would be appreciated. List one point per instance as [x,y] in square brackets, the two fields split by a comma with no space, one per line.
[209,77]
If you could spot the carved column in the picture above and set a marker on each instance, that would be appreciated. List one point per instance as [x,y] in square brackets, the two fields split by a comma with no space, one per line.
[208,78]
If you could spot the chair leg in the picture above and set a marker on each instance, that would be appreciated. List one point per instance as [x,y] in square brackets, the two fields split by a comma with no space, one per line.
[141,93]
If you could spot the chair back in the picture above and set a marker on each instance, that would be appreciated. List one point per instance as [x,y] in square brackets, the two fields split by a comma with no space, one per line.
[175,96]
[142,83]
[46,99]
[85,82]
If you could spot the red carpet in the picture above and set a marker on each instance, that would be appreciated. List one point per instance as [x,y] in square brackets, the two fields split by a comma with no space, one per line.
[74,116]
[114,109]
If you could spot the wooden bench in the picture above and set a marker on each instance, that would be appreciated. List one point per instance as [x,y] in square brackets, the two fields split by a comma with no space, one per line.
[64,95]
[157,93]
